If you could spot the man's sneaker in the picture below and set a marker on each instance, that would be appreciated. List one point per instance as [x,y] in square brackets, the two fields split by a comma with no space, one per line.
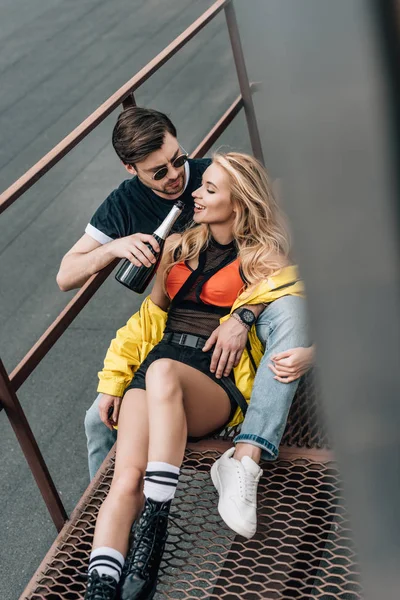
[101,587]
[236,483]
[141,567]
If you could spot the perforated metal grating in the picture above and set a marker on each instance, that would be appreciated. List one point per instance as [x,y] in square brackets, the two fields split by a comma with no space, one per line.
[306,425]
[302,549]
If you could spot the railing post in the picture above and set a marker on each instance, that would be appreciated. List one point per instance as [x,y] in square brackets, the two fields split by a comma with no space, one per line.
[243,81]
[27,441]
[129,101]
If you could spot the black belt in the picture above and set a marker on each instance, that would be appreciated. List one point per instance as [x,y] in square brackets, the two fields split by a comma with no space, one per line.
[185,339]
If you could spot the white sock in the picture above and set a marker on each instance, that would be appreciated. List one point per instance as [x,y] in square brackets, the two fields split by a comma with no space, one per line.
[160,481]
[107,561]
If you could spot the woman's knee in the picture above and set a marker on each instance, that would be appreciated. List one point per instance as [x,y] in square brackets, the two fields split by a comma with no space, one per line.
[128,482]
[162,378]
[162,371]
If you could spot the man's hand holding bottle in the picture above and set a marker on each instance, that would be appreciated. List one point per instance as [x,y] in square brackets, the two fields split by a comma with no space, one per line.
[134,248]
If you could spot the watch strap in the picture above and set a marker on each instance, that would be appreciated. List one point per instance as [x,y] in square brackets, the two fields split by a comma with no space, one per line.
[238,318]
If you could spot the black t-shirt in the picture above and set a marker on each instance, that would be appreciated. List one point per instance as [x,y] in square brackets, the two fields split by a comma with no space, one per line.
[134,208]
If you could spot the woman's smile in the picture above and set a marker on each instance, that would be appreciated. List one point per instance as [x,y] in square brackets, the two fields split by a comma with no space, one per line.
[198,207]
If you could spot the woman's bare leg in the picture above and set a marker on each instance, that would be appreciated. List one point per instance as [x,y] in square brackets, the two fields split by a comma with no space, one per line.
[181,401]
[125,498]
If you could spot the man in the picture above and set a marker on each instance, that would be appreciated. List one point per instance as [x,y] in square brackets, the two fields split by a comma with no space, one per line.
[145,141]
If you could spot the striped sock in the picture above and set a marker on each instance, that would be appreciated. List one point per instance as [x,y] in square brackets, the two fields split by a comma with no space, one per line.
[160,481]
[107,561]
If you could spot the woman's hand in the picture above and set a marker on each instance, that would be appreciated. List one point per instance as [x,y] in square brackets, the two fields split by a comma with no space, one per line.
[107,403]
[292,364]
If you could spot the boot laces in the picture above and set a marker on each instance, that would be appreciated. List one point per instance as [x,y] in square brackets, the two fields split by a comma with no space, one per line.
[139,561]
[100,588]
[145,541]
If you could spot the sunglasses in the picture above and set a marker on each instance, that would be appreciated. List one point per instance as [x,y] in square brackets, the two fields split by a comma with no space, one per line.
[178,162]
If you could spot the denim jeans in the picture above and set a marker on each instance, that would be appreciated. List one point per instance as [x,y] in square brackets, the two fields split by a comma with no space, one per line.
[99,438]
[282,325]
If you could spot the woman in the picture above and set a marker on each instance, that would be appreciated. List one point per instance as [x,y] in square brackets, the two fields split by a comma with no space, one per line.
[236,253]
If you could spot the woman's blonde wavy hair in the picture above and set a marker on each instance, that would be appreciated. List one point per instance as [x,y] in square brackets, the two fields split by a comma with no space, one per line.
[258,228]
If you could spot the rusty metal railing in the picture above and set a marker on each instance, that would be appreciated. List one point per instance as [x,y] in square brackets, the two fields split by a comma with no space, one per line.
[9,384]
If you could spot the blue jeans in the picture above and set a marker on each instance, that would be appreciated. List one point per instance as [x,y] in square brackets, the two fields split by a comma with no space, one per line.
[282,325]
[99,438]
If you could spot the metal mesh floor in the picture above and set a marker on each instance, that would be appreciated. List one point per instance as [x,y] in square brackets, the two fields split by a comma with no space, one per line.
[306,424]
[302,549]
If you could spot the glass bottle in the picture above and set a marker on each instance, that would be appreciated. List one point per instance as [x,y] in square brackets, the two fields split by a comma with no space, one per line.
[138,278]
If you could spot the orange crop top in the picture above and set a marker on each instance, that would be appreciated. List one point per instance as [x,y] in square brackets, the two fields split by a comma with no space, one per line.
[200,297]
[221,289]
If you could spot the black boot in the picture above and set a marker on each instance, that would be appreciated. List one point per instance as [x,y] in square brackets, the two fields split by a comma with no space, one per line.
[141,567]
[100,588]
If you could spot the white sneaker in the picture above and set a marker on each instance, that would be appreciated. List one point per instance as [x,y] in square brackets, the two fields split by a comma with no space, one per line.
[236,483]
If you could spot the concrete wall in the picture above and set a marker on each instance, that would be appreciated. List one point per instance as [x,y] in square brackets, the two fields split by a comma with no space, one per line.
[323,116]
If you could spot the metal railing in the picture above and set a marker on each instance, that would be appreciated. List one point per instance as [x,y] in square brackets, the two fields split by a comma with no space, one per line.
[9,384]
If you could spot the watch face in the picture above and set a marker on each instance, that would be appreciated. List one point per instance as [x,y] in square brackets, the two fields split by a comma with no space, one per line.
[247,316]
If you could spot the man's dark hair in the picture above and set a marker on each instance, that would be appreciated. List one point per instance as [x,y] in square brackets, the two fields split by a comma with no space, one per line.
[138,132]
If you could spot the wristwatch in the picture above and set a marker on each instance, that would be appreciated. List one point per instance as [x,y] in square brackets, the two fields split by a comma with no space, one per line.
[246,316]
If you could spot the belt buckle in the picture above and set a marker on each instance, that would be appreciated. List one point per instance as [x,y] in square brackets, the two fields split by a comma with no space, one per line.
[187,339]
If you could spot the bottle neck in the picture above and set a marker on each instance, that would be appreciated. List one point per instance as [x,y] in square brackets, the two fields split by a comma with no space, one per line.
[163,230]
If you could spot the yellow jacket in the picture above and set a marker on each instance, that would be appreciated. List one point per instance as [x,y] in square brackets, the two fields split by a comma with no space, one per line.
[145,329]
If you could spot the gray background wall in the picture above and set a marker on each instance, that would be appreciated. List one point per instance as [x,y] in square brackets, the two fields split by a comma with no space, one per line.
[326,133]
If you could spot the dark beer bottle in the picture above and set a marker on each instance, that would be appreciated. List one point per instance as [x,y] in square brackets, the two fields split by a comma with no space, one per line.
[138,278]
